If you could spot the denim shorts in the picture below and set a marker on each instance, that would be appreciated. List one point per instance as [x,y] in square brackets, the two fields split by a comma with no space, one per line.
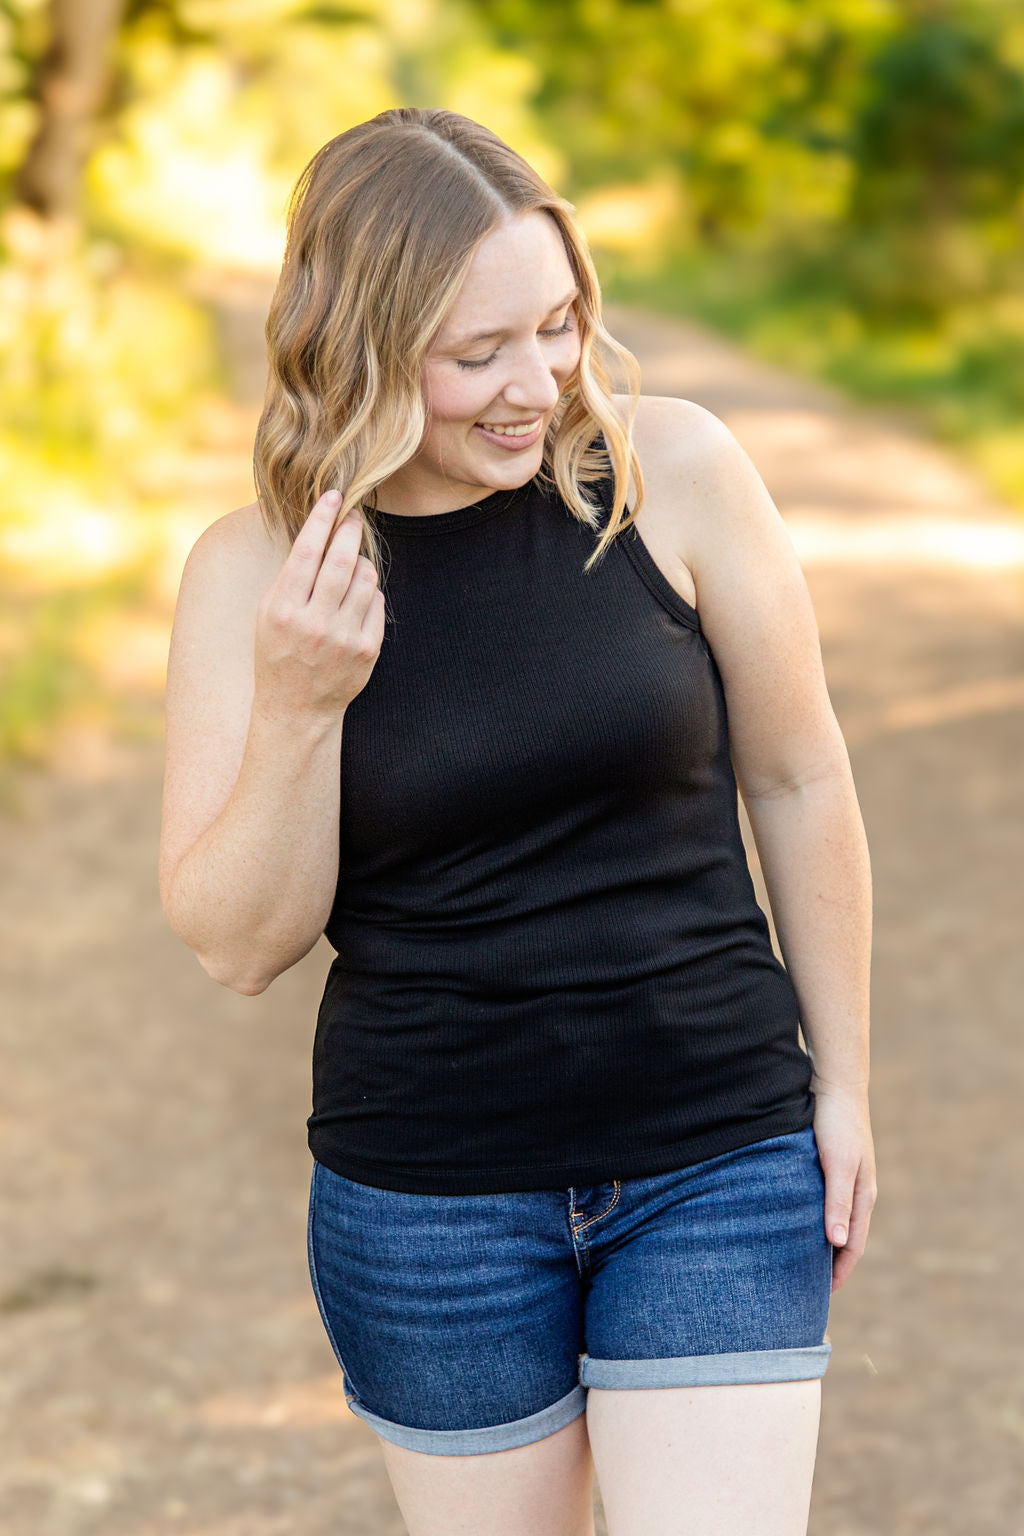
[473,1323]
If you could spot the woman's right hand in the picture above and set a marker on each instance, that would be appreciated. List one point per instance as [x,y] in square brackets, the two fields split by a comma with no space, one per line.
[320,624]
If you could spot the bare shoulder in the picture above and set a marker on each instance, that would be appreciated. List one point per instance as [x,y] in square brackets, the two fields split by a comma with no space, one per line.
[701,488]
[673,438]
[659,416]
[676,442]
[239,548]
[228,569]
[708,513]
[210,673]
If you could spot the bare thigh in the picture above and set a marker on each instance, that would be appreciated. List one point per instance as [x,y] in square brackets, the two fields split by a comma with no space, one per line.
[706,1461]
[542,1489]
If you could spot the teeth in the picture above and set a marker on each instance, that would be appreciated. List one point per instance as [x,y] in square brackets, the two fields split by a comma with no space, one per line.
[521,431]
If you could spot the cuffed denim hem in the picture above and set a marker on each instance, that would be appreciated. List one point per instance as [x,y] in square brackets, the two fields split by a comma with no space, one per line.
[751,1365]
[475,1442]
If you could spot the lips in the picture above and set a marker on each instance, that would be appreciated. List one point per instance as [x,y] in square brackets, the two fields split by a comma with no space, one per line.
[510,426]
[511,441]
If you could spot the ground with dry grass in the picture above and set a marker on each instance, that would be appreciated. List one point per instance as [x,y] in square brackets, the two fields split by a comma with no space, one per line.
[162,1365]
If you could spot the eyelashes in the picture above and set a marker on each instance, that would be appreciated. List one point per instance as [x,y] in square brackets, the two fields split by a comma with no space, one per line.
[562,330]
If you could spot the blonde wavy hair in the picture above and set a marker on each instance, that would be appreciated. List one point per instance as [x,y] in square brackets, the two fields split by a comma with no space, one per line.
[382,226]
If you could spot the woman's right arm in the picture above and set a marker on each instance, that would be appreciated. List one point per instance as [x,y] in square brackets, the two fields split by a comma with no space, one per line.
[258,680]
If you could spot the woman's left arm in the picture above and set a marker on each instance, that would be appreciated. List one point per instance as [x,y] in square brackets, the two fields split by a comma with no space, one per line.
[793,772]
[813,854]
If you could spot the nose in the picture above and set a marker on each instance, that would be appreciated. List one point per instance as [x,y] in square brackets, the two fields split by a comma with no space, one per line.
[533,386]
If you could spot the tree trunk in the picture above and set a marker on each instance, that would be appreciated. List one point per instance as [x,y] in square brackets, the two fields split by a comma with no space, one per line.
[70,86]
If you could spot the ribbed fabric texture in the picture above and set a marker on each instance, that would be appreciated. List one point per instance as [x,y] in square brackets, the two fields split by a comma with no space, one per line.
[551,966]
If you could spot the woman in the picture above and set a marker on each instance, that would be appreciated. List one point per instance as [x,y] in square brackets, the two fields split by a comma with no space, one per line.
[577,1187]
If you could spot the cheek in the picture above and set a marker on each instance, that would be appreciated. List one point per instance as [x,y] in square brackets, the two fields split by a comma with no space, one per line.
[458,401]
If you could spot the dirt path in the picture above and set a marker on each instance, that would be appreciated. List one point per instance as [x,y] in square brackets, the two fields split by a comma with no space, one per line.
[162,1365]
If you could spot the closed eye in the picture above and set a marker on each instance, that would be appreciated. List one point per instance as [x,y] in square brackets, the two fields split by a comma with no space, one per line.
[561,330]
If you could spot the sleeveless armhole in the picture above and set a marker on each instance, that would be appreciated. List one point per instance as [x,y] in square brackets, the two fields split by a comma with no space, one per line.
[644,563]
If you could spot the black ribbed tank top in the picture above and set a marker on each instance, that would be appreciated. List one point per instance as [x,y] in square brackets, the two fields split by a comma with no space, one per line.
[551,965]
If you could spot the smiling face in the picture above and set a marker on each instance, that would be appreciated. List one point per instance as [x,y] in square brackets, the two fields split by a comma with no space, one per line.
[506,351]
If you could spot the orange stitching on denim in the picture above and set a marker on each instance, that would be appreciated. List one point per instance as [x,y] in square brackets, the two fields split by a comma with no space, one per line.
[608,1208]
[579,1242]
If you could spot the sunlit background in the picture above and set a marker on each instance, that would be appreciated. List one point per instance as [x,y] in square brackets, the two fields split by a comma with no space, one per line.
[808,217]
[837,185]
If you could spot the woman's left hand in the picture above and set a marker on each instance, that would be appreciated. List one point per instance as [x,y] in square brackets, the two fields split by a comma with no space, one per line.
[842,1129]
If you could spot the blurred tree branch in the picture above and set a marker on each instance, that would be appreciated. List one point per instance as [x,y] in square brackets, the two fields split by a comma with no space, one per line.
[72,80]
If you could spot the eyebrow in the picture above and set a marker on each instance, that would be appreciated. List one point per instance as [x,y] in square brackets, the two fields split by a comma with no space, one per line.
[469,341]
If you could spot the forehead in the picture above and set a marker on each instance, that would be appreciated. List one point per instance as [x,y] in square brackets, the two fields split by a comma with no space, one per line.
[518,269]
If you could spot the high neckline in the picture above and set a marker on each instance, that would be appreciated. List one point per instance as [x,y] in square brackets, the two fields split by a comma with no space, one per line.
[447,522]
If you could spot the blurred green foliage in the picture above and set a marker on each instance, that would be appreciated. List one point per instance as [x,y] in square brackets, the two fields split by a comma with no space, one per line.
[849,184]
[840,185]
[47,678]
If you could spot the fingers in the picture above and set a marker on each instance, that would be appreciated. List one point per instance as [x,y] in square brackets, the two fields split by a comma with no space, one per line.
[849,1199]
[842,1266]
[357,599]
[297,577]
[852,1221]
[372,628]
[843,1135]
[845,1259]
[837,1211]
[346,579]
